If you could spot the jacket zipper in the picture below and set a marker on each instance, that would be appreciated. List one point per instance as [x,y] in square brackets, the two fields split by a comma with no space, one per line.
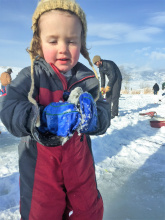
[61,77]
[63,80]
[80,81]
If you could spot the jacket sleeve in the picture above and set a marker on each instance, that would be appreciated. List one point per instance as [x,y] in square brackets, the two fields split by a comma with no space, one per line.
[16,110]
[111,74]
[8,79]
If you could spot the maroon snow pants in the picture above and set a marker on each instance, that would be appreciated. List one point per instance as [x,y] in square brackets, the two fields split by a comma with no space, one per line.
[64,184]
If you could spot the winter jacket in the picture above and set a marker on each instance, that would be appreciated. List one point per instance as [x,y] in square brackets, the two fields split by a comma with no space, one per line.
[20,116]
[47,174]
[111,70]
[156,87]
[163,86]
[5,79]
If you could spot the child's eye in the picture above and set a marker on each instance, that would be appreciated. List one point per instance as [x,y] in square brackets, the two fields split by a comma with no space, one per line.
[53,42]
[72,42]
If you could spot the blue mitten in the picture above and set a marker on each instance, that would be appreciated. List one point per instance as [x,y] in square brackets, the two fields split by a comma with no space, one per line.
[88,111]
[60,118]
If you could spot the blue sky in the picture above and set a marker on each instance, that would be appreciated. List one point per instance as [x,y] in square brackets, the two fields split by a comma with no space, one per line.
[129,32]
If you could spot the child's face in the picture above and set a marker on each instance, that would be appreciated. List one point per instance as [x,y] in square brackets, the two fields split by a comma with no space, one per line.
[60,34]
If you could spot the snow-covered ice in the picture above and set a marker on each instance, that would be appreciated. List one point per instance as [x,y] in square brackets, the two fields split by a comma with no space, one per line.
[129,159]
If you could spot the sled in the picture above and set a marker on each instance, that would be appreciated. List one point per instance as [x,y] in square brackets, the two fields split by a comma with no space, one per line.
[157,122]
[151,114]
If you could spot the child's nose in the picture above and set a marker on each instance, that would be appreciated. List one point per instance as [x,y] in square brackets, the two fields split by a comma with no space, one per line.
[63,47]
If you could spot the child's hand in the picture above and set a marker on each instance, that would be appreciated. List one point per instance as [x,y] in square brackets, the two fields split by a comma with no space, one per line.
[60,118]
[102,90]
[107,89]
[88,112]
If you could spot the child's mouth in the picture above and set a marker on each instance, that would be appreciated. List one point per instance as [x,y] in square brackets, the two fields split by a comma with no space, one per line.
[63,61]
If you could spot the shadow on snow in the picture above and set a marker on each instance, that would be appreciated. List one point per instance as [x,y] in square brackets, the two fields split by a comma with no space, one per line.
[142,195]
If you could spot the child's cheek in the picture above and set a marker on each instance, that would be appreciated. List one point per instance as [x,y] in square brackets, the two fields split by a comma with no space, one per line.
[49,55]
[76,54]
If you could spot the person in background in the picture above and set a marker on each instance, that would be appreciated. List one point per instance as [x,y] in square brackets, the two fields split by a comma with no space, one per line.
[5,79]
[54,107]
[163,86]
[155,88]
[163,89]
[112,89]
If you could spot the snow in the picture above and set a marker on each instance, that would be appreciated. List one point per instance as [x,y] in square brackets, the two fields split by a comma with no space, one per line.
[129,159]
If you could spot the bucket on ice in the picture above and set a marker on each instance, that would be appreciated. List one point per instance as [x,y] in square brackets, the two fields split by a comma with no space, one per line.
[157,122]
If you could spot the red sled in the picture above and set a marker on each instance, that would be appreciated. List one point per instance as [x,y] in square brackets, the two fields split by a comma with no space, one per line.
[157,122]
[151,114]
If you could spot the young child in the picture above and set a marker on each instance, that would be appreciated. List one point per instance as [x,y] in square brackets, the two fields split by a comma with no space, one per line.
[57,177]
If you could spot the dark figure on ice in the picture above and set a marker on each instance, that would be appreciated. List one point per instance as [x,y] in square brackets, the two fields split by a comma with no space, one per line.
[54,107]
[5,79]
[163,86]
[110,69]
[155,88]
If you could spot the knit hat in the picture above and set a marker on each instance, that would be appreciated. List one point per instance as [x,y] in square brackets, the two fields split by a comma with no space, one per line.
[68,5]
[96,59]
[9,71]
[45,6]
